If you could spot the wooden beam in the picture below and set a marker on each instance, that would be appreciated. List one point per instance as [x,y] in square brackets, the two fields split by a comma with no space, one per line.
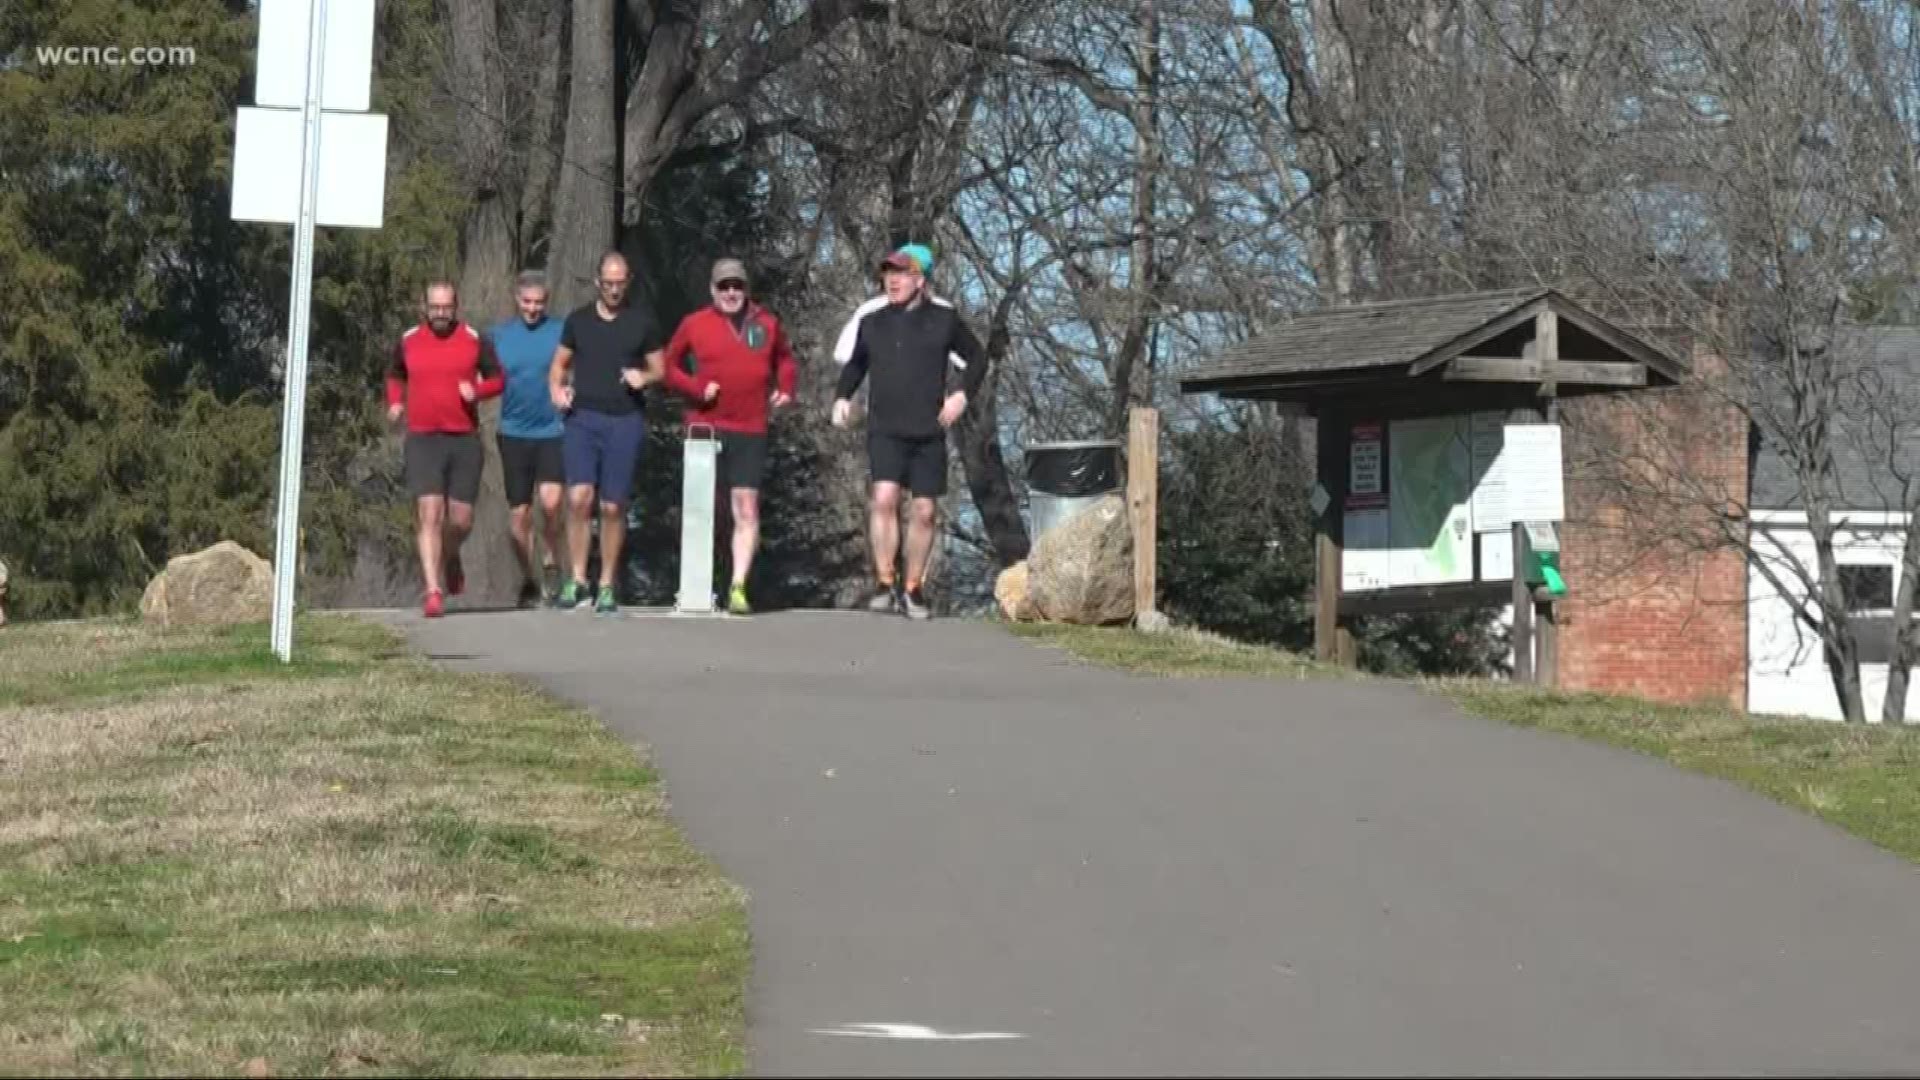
[1602,373]
[1569,372]
[1492,369]
[1143,507]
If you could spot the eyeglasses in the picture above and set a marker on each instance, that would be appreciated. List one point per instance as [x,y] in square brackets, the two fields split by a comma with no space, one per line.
[730,286]
[613,283]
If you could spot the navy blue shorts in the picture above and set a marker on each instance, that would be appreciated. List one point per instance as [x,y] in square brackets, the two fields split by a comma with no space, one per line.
[603,450]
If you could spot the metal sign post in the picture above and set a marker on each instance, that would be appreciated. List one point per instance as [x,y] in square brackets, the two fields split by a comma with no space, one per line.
[293,418]
[345,185]
[702,456]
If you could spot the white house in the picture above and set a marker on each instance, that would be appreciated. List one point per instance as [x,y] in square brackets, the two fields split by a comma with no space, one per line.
[1786,669]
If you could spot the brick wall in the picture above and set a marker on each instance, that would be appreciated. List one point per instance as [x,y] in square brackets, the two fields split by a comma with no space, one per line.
[1656,580]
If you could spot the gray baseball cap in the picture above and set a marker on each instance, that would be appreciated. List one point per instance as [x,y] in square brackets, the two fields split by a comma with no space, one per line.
[727,270]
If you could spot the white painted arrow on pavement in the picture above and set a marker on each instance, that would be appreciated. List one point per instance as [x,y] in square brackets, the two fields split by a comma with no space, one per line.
[913,1031]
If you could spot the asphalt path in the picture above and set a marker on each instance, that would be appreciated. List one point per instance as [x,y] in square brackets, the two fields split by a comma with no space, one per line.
[969,854]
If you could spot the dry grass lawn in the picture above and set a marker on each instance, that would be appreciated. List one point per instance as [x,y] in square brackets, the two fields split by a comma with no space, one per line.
[354,865]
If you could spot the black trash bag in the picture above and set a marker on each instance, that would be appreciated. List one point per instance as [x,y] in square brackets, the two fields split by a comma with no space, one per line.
[1074,470]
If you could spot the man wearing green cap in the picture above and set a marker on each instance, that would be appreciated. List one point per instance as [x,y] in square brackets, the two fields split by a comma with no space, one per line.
[914,350]
[850,330]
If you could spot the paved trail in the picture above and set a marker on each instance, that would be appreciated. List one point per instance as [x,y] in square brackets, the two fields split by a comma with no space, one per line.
[942,826]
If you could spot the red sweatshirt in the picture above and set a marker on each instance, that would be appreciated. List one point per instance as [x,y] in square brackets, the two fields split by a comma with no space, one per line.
[427,371]
[748,362]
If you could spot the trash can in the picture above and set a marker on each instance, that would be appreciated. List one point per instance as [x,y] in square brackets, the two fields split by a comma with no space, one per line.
[1064,478]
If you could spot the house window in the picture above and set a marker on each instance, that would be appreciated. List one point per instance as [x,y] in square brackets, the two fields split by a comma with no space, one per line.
[1867,588]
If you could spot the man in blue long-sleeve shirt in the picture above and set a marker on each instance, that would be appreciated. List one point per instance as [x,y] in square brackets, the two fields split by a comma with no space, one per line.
[911,349]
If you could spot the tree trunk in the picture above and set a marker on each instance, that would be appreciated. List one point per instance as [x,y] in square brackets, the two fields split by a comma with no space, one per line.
[986,469]
[486,275]
[1142,272]
[586,190]
[486,267]
[659,105]
[487,171]
[545,140]
[978,434]
[674,89]
[1906,639]
[1838,641]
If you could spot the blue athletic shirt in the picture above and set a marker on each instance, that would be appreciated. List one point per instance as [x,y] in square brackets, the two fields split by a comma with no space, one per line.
[526,409]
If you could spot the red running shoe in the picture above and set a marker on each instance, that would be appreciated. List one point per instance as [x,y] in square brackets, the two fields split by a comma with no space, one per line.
[456,576]
[435,606]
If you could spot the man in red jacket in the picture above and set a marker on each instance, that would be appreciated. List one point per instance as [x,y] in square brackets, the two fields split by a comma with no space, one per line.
[441,369]
[732,360]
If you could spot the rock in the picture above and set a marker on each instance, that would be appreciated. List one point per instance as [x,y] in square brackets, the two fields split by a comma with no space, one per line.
[153,601]
[1010,589]
[1081,570]
[221,585]
[1152,622]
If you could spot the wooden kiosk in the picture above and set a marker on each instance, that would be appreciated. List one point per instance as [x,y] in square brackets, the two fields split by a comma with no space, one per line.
[1439,469]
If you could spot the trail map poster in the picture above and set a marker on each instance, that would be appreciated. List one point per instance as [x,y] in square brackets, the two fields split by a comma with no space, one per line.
[1430,478]
[1425,496]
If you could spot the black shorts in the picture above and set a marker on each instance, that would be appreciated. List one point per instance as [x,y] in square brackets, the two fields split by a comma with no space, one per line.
[918,463]
[526,462]
[437,463]
[743,459]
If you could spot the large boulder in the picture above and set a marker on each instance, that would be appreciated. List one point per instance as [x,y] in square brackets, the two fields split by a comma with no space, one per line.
[221,585]
[1081,570]
[1010,590]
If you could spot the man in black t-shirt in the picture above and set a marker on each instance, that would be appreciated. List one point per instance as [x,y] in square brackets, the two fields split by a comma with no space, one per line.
[612,352]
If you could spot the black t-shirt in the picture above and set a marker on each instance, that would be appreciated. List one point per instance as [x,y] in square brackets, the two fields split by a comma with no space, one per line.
[602,348]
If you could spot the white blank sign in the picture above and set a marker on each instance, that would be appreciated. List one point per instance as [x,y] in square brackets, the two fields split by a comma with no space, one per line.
[353,167]
[347,79]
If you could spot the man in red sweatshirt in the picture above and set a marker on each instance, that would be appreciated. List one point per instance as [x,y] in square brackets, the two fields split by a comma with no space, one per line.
[441,370]
[732,360]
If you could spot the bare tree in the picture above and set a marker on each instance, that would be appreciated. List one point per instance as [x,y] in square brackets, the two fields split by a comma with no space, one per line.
[500,73]
[1117,184]
[1754,172]
[586,190]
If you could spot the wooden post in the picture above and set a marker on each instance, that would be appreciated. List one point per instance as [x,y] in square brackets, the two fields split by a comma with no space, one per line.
[1334,435]
[1143,509]
[1546,349]
[1326,597]
[1522,609]
[1547,626]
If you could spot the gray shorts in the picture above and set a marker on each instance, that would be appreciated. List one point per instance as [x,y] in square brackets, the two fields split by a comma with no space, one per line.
[446,465]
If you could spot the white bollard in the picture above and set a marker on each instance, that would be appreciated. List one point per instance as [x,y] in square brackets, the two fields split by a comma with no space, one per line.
[696,521]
